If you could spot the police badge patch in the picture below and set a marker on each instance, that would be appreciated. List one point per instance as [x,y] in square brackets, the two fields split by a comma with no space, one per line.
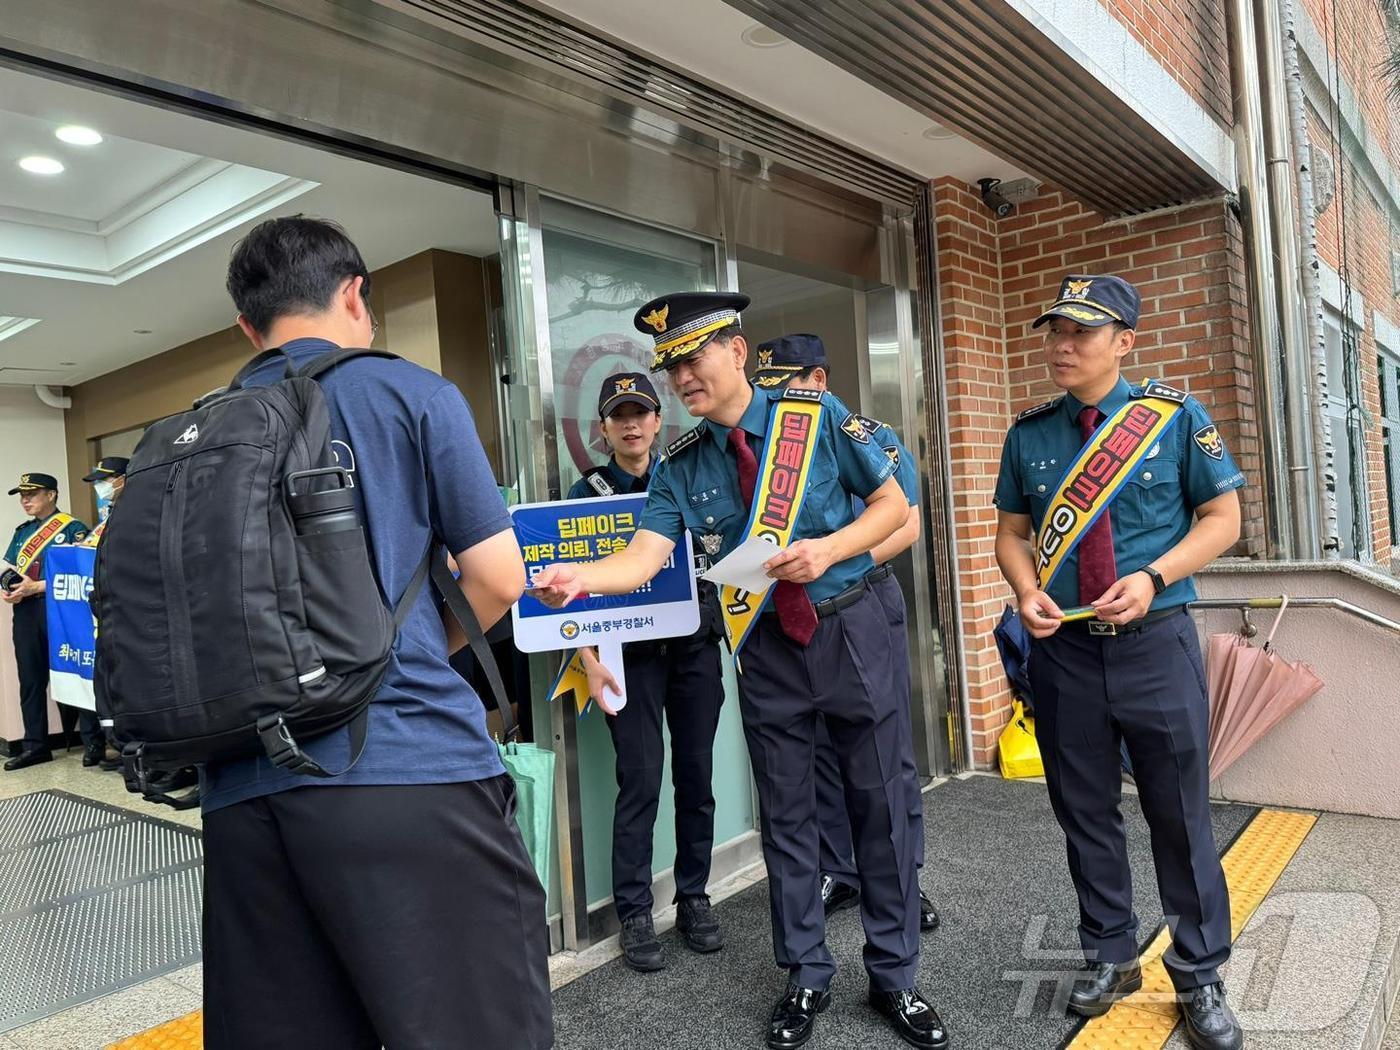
[855,430]
[1208,438]
[712,542]
[892,451]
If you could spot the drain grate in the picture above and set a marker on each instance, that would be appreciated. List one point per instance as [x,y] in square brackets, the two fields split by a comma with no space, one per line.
[93,898]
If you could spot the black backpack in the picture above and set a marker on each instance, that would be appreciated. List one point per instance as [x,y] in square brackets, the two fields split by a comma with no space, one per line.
[238,610]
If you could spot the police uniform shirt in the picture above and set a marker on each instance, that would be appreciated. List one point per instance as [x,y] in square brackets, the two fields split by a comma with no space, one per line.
[697,487]
[1154,509]
[74,532]
[884,437]
[623,483]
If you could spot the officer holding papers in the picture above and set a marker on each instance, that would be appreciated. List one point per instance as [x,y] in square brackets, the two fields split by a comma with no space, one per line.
[1109,497]
[784,465]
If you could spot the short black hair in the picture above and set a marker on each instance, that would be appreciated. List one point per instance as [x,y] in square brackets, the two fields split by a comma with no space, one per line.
[726,335]
[291,266]
[806,373]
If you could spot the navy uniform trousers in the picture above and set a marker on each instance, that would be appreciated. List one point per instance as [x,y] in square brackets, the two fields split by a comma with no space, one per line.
[681,677]
[1145,687]
[848,676]
[837,853]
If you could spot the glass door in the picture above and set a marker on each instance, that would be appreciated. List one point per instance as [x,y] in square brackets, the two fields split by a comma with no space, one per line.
[572,279]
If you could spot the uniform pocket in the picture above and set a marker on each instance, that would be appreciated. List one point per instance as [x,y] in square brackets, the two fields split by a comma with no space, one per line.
[1151,496]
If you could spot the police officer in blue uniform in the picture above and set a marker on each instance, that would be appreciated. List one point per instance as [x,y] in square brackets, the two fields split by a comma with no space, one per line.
[22,588]
[821,646]
[1132,672]
[678,676]
[800,361]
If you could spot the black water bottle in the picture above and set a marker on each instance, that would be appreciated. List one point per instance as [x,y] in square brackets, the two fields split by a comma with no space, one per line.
[325,502]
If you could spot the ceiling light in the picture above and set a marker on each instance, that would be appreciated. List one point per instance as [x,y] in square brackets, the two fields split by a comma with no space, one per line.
[761,36]
[938,131]
[76,135]
[41,165]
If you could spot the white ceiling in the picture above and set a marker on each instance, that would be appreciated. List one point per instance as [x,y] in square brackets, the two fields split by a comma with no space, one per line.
[150,154]
[705,37]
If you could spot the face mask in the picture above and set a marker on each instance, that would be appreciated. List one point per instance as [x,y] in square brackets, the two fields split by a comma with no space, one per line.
[104,489]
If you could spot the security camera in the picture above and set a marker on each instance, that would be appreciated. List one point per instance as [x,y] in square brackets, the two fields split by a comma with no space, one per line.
[1000,206]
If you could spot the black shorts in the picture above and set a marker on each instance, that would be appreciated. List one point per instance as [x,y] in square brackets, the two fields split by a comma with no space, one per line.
[343,917]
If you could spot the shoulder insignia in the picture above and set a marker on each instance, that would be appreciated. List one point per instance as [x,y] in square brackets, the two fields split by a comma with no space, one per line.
[684,441]
[1210,442]
[1038,410]
[1161,390]
[791,394]
[855,430]
[869,424]
[78,536]
[892,454]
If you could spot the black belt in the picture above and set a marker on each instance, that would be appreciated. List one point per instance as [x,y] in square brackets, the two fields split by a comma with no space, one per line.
[844,600]
[879,573]
[1103,629]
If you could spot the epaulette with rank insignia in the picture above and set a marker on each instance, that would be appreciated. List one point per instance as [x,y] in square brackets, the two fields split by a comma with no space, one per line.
[1166,393]
[800,394]
[684,441]
[1039,410]
[869,424]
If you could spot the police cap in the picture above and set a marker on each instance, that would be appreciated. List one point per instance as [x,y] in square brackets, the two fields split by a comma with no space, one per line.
[35,482]
[107,467]
[626,388]
[782,358]
[683,323]
[1093,300]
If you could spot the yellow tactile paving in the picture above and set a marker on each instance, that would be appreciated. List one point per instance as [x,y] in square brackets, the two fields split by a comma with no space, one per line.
[183,1033]
[1144,1020]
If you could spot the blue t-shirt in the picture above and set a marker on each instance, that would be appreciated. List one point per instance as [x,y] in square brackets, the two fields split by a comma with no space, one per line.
[407,438]
[1153,511]
[697,486]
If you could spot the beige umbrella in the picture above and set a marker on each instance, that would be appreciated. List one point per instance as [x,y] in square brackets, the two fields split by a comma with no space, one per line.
[1251,691]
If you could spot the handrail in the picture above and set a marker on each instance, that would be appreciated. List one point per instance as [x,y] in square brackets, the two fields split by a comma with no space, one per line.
[1246,604]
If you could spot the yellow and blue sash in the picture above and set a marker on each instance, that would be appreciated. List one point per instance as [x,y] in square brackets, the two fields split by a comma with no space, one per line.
[794,428]
[1099,472]
[27,561]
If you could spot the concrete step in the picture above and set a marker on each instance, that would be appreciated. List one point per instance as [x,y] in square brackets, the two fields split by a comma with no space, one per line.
[1317,967]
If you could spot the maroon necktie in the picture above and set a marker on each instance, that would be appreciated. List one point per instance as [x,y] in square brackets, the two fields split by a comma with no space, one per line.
[1097,571]
[795,610]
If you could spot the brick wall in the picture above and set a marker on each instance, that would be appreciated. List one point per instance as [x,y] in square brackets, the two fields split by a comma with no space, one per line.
[1188,40]
[994,280]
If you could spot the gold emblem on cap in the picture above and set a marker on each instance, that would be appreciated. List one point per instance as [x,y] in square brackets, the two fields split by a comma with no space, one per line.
[657,318]
[1077,289]
[25,480]
[625,386]
[765,358]
[1083,315]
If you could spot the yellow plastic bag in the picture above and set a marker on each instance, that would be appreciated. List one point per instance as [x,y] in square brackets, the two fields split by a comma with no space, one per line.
[1020,754]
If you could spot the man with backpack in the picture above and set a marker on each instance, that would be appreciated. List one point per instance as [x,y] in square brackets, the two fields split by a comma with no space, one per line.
[394,904]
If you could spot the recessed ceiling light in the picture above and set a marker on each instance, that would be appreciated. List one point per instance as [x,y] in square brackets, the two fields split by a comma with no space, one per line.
[761,36]
[41,165]
[938,131]
[75,135]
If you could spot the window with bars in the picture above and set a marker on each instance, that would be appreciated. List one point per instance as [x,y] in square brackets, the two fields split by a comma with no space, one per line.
[1348,434]
[1388,378]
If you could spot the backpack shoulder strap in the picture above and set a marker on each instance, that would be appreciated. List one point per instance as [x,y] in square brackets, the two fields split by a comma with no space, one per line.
[325,362]
[257,362]
[447,586]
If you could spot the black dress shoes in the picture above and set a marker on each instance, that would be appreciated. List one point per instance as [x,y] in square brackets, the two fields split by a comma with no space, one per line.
[94,753]
[32,757]
[698,925]
[1209,1021]
[640,948]
[837,895]
[928,914]
[1103,984]
[912,1017]
[795,1016]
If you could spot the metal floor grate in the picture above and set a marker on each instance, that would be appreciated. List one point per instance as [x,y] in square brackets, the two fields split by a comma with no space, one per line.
[93,898]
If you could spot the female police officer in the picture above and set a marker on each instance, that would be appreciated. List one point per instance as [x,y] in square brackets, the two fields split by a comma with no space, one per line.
[1130,491]
[679,675]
